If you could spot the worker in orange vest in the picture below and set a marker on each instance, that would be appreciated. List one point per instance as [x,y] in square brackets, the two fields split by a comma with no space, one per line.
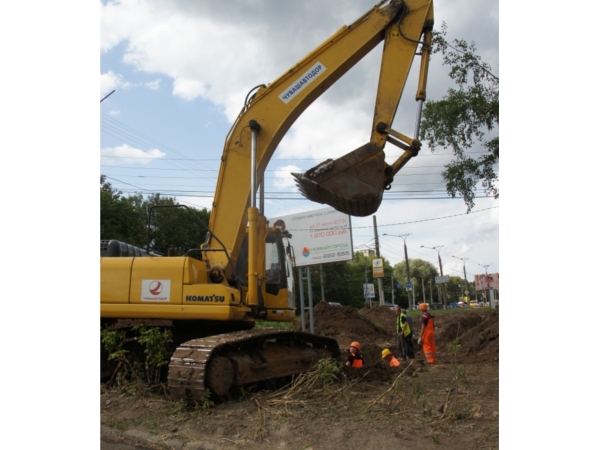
[387,355]
[354,359]
[427,334]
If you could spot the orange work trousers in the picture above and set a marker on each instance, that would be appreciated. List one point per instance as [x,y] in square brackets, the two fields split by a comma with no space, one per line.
[429,342]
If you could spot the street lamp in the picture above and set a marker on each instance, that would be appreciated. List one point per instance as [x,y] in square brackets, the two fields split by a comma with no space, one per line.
[465,274]
[436,248]
[411,298]
[485,266]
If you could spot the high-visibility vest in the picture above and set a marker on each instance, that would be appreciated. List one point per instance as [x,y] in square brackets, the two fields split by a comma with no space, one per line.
[358,361]
[407,329]
[394,362]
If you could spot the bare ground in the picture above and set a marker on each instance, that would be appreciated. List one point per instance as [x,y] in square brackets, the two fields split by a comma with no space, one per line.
[452,404]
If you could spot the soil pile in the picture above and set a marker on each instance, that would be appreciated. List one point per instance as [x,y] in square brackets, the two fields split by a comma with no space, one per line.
[476,331]
[346,325]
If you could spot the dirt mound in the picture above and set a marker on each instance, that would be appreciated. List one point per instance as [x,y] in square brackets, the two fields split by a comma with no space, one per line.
[346,325]
[476,331]
[382,315]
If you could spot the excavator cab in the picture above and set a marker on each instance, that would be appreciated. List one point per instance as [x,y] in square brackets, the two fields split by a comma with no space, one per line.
[277,279]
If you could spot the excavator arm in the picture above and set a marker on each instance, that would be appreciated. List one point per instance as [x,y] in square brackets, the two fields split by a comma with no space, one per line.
[354,183]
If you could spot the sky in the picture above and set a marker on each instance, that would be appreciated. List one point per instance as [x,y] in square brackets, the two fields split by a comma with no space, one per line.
[181,70]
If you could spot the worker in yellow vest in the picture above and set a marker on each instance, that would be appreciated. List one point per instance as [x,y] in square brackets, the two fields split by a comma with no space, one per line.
[403,334]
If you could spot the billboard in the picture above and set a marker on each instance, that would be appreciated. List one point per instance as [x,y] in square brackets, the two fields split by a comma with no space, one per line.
[489,281]
[318,236]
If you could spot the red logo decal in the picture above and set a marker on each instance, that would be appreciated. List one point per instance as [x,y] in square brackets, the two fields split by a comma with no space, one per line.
[155,287]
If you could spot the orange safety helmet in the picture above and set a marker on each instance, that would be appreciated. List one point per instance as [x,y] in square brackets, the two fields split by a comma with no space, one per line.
[385,353]
[355,344]
[423,306]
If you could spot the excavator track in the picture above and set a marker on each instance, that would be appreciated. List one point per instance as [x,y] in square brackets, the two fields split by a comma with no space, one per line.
[222,361]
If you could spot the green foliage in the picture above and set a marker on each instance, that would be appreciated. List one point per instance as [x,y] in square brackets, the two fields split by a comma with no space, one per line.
[421,271]
[464,117]
[455,288]
[126,219]
[156,345]
[328,370]
[141,367]
[113,341]
[276,325]
[343,281]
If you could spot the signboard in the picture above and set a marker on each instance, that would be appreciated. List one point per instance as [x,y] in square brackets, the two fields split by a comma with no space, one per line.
[318,236]
[489,281]
[378,268]
[408,286]
[442,280]
[369,290]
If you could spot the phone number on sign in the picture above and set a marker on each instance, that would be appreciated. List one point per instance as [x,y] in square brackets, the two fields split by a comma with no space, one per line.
[333,255]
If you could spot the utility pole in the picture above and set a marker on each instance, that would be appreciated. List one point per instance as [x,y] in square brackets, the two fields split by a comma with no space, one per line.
[489,291]
[411,297]
[423,286]
[431,292]
[392,281]
[379,280]
[443,289]
[466,291]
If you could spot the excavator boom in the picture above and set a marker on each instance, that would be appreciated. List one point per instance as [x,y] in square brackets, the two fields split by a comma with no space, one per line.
[354,183]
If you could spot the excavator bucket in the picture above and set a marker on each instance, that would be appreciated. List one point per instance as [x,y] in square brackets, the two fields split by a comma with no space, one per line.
[352,184]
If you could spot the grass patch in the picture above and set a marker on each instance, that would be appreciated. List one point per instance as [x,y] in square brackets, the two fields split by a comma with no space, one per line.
[117,423]
[276,325]
[378,325]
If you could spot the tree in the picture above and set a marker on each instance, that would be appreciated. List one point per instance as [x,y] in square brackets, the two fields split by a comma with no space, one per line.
[175,228]
[121,218]
[126,219]
[463,117]
[455,289]
[421,271]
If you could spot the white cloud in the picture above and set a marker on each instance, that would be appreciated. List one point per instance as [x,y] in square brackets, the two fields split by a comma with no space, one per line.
[188,89]
[114,113]
[284,178]
[125,154]
[111,80]
[153,85]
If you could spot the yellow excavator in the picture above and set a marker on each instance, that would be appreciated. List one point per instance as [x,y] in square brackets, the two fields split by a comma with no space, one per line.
[245,271]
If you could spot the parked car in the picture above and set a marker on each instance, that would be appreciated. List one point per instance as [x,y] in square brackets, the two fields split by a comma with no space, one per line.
[335,304]
[453,305]
[436,306]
